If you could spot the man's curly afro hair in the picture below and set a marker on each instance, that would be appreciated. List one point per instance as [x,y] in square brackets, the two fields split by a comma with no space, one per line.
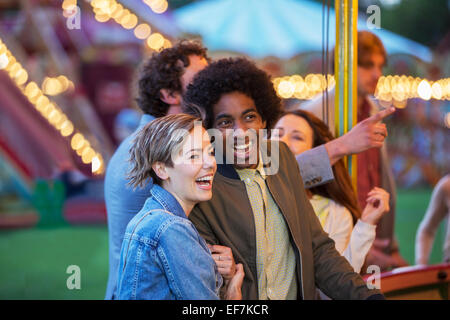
[163,71]
[229,75]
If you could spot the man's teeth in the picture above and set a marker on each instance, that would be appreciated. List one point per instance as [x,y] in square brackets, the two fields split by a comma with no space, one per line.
[243,147]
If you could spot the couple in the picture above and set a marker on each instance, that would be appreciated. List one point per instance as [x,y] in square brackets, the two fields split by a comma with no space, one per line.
[266,220]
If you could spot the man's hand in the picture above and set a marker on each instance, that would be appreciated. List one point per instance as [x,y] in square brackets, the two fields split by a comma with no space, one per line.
[224,259]
[369,133]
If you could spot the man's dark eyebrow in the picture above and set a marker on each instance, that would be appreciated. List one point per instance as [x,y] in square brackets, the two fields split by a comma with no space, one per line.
[225,115]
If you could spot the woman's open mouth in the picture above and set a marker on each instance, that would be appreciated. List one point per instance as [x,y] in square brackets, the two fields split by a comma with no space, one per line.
[205,182]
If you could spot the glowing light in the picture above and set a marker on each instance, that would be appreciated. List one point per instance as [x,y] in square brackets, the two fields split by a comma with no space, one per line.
[4,60]
[41,103]
[447,120]
[161,8]
[424,90]
[77,141]
[130,21]
[286,89]
[96,163]
[66,128]
[436,91]
[155,41]
[21,77]
[87,155]
[31,90]
[142,31]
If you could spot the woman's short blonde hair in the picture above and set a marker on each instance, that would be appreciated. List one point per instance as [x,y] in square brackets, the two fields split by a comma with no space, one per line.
[155,143]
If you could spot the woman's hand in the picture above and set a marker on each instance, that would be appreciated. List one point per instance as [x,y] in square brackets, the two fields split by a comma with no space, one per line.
[235,284]
[377,206]
[224,260]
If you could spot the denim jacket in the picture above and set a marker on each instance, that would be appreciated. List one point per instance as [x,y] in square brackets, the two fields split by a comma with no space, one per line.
[164,257]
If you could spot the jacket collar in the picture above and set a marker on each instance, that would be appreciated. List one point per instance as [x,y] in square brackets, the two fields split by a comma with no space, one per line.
[146,118]
[167,201]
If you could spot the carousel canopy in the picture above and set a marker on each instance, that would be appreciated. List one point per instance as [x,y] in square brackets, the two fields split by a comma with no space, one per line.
[281,28]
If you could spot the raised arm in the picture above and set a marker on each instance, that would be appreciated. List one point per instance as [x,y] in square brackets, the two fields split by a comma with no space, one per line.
[436,212]
[315,164]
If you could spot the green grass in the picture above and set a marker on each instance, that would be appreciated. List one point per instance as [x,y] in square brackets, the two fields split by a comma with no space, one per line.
[34,261]
[411,207]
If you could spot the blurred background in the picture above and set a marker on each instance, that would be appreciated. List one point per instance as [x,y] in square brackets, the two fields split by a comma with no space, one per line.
[67,99]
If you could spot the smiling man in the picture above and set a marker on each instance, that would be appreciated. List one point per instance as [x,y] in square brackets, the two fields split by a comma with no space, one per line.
[263,215]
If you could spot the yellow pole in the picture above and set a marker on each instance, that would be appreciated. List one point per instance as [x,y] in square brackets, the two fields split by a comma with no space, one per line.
[346,73]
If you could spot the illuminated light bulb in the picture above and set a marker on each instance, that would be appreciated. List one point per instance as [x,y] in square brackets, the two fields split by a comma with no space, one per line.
[66,128]
[87,155]
[60,122]
[21,77]
[64,82]
[131,22]
[4,61]
[286,89]
[48,110]
[313,82]
[436,91]
[52,86]
[31,90]
[424,90]
[12,69]
[142,31]
[54,117]
[299,85]
[77,141]
[96,163]
[161,8]
[41,103]
[11,59]
[155,41]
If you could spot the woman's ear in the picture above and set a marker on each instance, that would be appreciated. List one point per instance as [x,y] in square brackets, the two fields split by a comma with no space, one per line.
[171,98]
[160,169]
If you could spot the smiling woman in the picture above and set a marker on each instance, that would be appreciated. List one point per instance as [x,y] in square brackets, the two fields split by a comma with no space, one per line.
[163,256]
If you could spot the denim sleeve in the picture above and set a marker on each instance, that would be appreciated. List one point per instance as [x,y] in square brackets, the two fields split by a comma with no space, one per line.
[188,265]
[315,167]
